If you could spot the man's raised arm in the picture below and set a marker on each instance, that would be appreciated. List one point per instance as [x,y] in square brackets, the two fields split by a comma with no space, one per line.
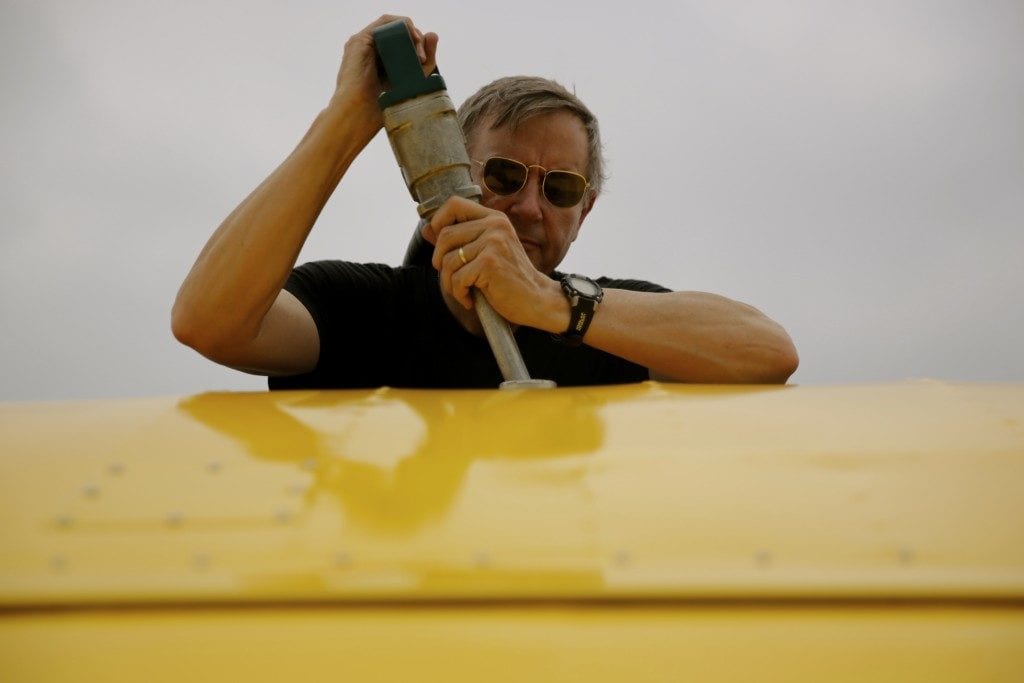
[231,306]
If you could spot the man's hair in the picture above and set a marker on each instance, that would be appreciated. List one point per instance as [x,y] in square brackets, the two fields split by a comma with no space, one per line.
[513,100]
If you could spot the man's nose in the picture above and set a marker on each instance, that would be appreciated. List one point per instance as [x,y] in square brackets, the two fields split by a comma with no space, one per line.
[528,200]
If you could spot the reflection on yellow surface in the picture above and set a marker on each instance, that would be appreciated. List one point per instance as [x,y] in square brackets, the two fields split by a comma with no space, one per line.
[395,463]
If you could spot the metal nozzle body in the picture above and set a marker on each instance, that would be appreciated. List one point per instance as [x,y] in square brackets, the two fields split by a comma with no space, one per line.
[431,150]
[430,147]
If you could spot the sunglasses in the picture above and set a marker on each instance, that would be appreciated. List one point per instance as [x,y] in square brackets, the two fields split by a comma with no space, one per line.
[503,176]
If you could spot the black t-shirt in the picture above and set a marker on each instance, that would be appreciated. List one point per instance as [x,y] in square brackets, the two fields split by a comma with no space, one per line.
[386,326]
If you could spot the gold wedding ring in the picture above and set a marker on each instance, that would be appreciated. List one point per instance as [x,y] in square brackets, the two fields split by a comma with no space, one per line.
[462,255]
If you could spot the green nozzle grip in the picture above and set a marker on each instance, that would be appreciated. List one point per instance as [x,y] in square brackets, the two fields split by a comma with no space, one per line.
[401,66]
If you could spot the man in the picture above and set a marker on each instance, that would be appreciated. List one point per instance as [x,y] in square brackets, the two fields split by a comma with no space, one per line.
[536,153]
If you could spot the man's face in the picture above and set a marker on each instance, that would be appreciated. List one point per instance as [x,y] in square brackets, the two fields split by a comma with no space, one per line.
[555,141]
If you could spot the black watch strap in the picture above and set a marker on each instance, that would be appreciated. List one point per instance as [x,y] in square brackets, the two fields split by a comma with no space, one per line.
[584,295]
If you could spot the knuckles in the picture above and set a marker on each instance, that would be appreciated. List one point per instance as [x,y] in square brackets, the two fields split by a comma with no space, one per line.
[495,248]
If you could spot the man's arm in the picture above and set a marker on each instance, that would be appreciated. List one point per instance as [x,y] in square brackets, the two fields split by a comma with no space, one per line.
[678,336]
[692,337]
[231,306]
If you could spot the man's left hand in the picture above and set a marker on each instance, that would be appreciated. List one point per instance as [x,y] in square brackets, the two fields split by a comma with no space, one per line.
[477,248]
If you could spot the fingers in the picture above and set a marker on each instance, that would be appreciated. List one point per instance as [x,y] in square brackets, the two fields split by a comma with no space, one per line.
[361,51]
[425,44]
[454,237]
[448,264]
[458,210]
[429,57]
[457,222]
[455,250]
[472,255]
[461,278]
[474,247]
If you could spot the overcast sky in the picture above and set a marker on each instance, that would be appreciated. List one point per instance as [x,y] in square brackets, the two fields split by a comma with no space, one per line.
[853,169]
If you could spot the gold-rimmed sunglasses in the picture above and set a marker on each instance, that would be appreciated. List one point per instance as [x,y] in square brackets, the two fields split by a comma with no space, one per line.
[503,176]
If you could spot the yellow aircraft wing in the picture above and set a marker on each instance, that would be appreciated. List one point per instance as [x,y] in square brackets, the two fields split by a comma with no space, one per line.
[637,533]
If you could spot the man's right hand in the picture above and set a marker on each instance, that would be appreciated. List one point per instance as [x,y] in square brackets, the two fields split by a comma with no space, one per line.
[359,82]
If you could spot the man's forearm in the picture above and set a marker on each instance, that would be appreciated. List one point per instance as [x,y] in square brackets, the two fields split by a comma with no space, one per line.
[243,266]
[693,337]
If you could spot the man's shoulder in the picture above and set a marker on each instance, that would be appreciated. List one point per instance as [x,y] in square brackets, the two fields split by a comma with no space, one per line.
[327,286]
[336,268]
[334,271]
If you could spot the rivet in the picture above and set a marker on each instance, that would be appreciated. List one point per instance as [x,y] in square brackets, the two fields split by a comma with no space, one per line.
[622,557]
[309,464]
[906,555]
[297,490]
[175,518]
[283,516]
[91,491]
[65,520]
[59,563]
[201,561]
[342,560]
[763,559]
[214,466]
[116,469]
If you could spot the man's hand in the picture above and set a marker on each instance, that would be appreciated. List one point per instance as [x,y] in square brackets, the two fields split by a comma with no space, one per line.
[358,81]
[477,248]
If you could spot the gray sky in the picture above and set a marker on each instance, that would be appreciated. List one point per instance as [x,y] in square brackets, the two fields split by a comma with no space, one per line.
[854,170]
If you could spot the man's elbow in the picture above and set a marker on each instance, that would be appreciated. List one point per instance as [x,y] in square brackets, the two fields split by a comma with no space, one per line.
[763,365]
[186,331]
[784,364]
[772,361]
[195,333]
[781,362]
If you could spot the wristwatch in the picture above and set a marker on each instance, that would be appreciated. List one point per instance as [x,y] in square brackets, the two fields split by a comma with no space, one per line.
[584,295]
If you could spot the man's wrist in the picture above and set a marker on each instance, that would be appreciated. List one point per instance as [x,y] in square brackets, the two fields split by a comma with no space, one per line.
[583,295]
[556,309]
[352,119]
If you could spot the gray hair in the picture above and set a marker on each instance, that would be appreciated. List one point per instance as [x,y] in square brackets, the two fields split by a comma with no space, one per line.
[512,100]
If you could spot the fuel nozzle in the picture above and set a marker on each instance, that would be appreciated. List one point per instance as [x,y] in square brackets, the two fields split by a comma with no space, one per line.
[430,148]
[421,124]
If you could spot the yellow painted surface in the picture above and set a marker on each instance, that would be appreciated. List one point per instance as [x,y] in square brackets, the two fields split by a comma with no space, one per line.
[908,489]
[648,528]
[642,644]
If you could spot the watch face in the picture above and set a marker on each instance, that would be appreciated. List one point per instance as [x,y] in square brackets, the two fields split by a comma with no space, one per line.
[585,287]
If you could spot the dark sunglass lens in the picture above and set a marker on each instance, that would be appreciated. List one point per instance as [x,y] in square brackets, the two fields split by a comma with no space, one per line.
[564,189]
[504,176]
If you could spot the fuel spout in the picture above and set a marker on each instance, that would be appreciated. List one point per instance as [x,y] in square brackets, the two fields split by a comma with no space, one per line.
[430,148]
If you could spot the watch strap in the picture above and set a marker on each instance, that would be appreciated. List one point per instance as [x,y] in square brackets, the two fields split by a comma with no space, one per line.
[581,309]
